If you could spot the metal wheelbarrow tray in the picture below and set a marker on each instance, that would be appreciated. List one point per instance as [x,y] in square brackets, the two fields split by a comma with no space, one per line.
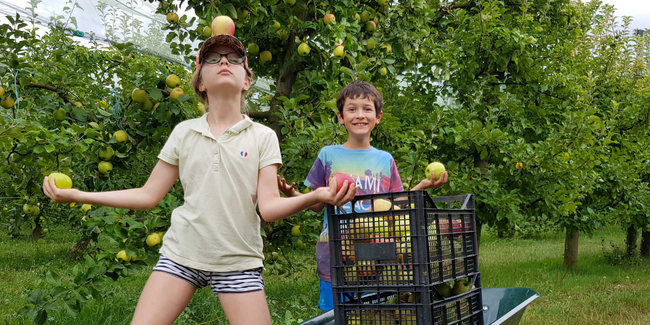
[501,306]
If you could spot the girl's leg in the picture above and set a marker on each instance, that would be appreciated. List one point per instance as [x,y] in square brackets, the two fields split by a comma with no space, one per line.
[164,298]
[249,308]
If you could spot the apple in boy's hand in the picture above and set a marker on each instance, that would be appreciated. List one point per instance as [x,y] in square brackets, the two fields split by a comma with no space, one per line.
[436,167]
[340,178]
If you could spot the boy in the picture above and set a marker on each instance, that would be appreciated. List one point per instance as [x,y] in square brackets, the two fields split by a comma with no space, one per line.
[374,171]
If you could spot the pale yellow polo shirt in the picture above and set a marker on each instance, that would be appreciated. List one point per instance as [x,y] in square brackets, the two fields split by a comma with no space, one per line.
[217,228]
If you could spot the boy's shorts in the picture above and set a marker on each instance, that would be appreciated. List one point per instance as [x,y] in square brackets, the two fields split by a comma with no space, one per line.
[326,300]
[227,282]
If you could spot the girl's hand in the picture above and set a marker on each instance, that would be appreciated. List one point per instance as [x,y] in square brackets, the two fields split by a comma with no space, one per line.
[330,196]
[58,195]
[431,183]
[285,188]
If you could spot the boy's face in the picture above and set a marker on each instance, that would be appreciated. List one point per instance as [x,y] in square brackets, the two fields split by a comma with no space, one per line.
[359,116]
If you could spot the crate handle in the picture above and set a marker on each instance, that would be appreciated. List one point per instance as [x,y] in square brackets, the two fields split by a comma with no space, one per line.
[467,198]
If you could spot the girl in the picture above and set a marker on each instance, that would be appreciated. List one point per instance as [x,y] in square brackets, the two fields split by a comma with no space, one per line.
[227,165]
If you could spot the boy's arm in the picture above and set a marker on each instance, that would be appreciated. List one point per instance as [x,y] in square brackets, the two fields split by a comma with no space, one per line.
[162,178]
[273,207]
[289,191]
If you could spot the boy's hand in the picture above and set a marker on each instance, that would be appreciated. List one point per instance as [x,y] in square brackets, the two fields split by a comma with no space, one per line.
[58,195]
[285,188]
[330,196]
[431,183]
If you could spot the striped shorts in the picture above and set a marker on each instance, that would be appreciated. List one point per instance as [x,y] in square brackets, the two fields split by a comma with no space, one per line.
[227,282]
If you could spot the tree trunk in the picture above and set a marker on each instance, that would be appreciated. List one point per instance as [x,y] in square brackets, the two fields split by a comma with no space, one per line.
[38,230]
[630,240]
[571,248]
[479,229]
[285,82]
[500,234]
[77,252]
[645,243]
[483,165]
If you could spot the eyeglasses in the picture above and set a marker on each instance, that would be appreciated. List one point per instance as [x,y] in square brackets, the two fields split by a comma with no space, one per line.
[232,57]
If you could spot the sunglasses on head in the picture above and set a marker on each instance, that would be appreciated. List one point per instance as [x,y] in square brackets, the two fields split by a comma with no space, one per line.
[232,57]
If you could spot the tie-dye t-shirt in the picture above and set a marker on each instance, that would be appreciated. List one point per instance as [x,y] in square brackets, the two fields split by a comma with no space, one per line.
[373,170]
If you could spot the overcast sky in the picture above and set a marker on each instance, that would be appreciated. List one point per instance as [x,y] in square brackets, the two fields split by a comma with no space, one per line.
[638,9]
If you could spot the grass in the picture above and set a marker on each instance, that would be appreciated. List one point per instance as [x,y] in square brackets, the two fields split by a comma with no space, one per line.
[594,293]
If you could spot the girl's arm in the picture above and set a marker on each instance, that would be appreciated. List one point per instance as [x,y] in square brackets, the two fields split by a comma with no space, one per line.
[289,191]
[432,183]
[273,207]
[162,179]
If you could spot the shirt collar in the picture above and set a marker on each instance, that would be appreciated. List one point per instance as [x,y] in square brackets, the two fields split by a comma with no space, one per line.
[204,128]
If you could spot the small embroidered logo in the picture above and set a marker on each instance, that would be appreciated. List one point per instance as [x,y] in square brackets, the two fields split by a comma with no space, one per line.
[243,154]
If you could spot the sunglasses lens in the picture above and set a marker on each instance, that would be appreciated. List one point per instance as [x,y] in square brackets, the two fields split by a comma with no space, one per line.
[233,58]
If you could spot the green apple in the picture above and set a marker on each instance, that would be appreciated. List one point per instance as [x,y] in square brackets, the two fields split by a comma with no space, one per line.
[62,181]
[59,114]
[444,289]
[370,44]
[339,52]
[253,49]
[461,286]
[371,27]
[266,56]
[139,95]
[105,167]
[436,167]
[303,49]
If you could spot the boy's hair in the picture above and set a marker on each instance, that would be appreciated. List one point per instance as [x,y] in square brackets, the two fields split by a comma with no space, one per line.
[196,80]
[360,89]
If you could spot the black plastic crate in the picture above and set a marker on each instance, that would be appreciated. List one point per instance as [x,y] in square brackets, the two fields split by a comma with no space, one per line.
[426,307]
[408,242]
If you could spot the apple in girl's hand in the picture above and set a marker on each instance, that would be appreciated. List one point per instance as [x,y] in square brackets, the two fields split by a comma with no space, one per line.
[436,167]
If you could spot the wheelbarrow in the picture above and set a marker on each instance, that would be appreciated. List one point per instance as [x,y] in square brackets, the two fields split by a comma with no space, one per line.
[501,306]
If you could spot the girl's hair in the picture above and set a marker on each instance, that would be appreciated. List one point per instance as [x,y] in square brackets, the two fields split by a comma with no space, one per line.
[196,80]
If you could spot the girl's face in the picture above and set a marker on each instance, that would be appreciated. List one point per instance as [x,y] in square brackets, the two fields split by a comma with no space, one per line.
[220,71]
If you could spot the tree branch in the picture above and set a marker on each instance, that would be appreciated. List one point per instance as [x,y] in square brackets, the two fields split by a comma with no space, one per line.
[60,91]
[261,115]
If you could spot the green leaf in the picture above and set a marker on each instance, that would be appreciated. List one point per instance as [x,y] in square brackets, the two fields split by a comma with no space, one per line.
[39,317]
[231,8]
[57,291]
[347,71]
[36,298]
[184,98]
[284,130]
[79,295]
[53,278]
[155,93]
[103,112]
[76,270]
[79,113]
[71,312]
[49,147]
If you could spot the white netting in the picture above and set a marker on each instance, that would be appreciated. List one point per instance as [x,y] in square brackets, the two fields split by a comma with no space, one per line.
[107,21]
